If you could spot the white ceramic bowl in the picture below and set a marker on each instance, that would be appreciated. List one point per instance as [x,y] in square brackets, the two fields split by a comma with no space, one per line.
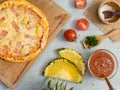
[115,63]
[108,5]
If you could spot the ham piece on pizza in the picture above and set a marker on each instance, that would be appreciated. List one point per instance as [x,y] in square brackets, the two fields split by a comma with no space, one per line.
[23,31]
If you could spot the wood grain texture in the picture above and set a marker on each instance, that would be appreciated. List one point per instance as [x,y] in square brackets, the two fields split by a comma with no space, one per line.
[12,73]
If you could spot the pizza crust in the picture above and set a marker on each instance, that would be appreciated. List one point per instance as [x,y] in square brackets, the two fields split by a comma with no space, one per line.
[45,24]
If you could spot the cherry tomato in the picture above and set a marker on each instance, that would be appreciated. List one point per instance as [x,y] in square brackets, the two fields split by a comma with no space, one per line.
[82,24]
[70,35]
[80,3]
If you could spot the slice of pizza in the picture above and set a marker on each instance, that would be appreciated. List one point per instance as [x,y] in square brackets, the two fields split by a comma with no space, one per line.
[23,31]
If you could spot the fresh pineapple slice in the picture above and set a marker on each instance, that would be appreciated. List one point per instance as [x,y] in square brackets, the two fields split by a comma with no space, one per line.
[3,25]
[13,44]
[24,50]
[73,56]
[25,20]
[38,31]
[18,37]
[64,69]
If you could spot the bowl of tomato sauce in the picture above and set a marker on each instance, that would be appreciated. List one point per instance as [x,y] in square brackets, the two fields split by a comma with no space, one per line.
[102,64]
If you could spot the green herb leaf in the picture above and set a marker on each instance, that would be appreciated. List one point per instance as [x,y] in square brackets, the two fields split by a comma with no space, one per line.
[55,84]
[91,41]
[71,88]
[65,86]
[61,86]
[49,84]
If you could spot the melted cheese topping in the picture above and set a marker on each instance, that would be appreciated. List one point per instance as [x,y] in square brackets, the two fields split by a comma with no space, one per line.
[20,31]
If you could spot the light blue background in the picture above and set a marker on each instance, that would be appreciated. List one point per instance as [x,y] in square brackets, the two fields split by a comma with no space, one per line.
[34,80]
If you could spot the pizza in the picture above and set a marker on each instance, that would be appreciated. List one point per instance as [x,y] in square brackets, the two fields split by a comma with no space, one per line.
[23,31]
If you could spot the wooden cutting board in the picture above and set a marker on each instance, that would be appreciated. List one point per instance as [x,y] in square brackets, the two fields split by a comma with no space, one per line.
[12,73]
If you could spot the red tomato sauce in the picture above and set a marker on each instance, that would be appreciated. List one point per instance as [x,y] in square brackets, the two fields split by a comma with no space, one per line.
[101,64]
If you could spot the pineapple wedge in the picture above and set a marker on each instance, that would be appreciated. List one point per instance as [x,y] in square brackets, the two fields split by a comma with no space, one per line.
[38,31]
[73,56]
[64,69]
[25,20]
